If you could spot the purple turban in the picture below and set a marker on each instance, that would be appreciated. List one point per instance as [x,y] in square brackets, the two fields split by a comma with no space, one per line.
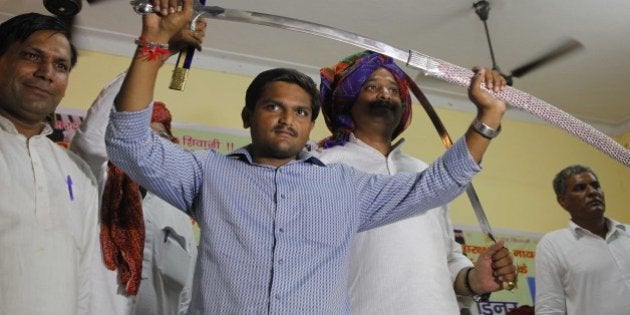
[341,85]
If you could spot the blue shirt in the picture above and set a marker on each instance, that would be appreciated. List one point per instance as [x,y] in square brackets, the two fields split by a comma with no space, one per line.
[276,239]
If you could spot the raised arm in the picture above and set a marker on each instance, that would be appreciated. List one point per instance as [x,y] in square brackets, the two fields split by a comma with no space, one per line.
[490,110]
[159,166]
[89,140]
[169,28]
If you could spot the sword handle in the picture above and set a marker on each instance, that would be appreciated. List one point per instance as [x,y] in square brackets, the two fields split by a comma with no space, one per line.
[182,66]
[184,59]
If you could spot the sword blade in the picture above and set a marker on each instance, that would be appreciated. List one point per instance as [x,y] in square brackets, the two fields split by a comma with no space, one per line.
[410,58]
[307,27]
[448,142]
[484,224]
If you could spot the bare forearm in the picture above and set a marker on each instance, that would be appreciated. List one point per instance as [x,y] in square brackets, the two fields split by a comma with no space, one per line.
[159,33]
[477,143]
[137,91]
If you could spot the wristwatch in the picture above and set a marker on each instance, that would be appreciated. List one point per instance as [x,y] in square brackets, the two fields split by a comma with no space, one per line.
[485,130]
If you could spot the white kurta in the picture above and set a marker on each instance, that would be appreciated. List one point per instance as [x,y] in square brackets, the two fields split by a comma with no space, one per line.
[170,249]
[407,267]
[48,226]
[579,273]
[168,259]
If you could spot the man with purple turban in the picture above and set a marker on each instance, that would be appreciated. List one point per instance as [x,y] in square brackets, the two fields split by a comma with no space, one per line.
[413,266]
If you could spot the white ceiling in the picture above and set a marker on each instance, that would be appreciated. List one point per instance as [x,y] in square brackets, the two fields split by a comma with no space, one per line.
[592,84]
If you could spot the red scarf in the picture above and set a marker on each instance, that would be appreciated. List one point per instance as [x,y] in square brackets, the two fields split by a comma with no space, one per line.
[122,222]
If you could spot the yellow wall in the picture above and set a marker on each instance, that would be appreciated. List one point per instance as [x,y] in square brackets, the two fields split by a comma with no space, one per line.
[624,139]
[515,186]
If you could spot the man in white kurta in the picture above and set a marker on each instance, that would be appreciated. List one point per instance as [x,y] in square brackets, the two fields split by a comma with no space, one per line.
[413,266]
[410,265]
[48,226]
[48,196]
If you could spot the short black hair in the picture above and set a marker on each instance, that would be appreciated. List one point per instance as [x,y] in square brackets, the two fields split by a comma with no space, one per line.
[560,181]
[21,27]
[258,85]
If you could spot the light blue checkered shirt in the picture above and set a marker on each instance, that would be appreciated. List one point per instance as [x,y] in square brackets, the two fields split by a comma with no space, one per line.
[276,240]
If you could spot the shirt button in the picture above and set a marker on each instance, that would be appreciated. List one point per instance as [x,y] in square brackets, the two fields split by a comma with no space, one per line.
[280,261]
[281,230]
[277,296]
[283,196]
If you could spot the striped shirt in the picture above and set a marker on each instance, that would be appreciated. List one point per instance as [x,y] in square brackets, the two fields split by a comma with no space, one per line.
[275,240]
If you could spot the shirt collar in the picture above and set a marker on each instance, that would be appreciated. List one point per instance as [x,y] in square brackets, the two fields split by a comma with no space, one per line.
[8,126]
[396,148]
[613,227]
[244,155]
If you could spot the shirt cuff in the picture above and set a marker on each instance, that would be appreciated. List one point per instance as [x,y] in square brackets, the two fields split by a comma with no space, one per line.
[461,164]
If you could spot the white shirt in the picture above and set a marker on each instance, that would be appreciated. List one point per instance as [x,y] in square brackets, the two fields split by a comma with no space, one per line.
[168,259]
[48,226]
[169,248]
[578,272]
[407,267]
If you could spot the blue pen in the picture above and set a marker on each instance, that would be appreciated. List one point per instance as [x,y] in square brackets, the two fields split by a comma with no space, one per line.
[69,182]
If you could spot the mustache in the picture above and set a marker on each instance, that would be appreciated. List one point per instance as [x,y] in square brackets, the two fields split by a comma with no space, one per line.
[284,128]
[596,200]
[383,103]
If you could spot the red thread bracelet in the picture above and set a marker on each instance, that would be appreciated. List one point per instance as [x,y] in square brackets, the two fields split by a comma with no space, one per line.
[150,50]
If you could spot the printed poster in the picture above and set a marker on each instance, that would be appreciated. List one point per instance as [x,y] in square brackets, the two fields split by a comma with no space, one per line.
[523,248]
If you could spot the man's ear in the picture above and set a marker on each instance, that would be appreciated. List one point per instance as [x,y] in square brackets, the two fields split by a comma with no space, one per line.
[245,115]
[561,201]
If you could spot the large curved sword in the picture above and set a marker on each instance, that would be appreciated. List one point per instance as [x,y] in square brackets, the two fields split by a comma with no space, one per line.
[430,66]
[435,68]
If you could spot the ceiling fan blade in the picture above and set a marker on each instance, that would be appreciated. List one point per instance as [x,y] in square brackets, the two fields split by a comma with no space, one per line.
[63,8]
[569,46]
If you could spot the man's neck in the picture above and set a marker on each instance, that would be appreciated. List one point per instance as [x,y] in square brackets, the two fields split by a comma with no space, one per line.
[23,127]
[597,227]
[263,159]
[379,141]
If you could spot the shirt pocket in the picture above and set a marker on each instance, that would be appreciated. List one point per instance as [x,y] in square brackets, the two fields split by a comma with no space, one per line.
[174,259]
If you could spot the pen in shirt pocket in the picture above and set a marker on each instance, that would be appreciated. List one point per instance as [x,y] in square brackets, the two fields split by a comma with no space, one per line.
[69,182]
